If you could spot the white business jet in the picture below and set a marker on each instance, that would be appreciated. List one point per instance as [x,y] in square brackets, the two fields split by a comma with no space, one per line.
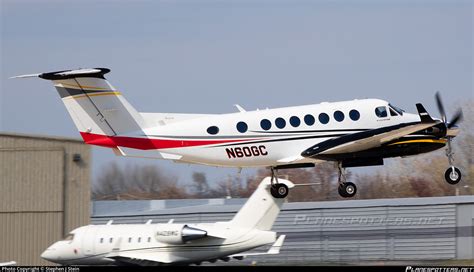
[351,133]
[176,244]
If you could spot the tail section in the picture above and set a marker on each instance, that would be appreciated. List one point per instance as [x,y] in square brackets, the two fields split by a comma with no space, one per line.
[261,209]
[96,107]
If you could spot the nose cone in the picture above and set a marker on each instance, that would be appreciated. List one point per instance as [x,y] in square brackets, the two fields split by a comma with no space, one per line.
[50,254]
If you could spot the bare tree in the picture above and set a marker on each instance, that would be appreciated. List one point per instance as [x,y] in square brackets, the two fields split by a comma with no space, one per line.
[136,182]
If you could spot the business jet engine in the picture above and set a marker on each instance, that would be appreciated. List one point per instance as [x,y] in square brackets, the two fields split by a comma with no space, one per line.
[177,234]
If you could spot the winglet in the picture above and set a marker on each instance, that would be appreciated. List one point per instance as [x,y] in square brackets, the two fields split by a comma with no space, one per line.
[424,115]
[275,248]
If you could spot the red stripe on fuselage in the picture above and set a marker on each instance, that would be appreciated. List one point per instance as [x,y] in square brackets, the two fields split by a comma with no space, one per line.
[147,143]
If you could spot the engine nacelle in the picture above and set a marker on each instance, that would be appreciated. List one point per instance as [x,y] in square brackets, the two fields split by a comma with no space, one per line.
[177,234]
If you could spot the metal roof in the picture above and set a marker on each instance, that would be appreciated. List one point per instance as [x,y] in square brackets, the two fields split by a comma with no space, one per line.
[190,206]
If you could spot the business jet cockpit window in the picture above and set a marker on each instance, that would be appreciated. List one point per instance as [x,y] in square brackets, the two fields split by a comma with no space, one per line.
[69,237]
[381,111]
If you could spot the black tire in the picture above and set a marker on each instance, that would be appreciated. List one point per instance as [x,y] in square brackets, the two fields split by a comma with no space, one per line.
[279,190]
[347,189]
[452,177]
[340,190]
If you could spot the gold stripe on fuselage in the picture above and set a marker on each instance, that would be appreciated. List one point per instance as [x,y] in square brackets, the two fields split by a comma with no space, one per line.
[441,141]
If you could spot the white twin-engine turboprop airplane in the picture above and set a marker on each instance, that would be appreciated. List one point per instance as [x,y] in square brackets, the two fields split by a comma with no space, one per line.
[172,243]
[351,133]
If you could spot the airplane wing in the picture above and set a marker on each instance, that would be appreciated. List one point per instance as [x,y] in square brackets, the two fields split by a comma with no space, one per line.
[274,249]
[141,258]
[370,138]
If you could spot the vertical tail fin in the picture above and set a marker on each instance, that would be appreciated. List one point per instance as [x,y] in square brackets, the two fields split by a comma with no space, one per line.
[261,209]
[95,106]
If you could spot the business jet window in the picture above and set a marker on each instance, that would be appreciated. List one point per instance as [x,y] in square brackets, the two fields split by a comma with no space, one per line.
[101,240]
[129,239]
[339,116]
[111,240]
[242,127]
[69,237]
[354,115]
[265,124]
[213,130]
[381,111]
[280,122]
[309,119]
[295,121]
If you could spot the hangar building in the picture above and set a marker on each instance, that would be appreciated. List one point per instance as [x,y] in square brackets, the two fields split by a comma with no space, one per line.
[45,193]
[335,232]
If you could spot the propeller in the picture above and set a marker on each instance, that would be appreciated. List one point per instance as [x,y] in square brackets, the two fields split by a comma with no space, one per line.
[457,117]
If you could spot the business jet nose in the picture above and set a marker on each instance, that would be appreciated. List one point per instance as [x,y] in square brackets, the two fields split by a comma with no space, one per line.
[50,254]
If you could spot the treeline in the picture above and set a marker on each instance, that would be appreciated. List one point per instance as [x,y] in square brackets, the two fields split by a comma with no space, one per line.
[417,176]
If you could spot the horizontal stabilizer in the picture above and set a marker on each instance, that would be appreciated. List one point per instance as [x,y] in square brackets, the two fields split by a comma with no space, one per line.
[274,249]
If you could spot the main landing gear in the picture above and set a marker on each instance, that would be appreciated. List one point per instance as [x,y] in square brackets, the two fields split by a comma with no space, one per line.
[345,189]
[452,174]
[278,190]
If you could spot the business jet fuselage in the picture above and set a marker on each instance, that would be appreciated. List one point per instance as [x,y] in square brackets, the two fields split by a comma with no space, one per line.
[352,133]
[176,243]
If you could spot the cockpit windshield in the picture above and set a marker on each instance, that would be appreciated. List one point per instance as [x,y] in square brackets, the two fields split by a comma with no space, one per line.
[69,237]
[397,109]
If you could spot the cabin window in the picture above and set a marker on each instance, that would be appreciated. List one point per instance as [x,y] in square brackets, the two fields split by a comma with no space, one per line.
[280,122]
[339,116]
[381,111]
[129,239]
[265,124]
[139,239]
[111,240]
[323,118]
[295,121]
[101,240]
[242,127]
[213,130]
[149,239]
[354,115]
[309,119]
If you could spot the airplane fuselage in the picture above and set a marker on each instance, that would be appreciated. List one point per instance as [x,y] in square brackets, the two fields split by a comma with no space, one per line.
[91,245]
[268,137]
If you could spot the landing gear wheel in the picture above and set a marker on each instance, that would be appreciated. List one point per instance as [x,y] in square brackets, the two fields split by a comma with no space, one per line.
[347,189]
[279,190]
[452,177]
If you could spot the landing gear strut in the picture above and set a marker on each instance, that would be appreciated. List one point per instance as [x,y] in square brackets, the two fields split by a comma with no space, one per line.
[452,174]
[345,189]
[278,190]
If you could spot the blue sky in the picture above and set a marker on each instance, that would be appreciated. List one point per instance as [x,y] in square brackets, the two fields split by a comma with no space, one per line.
[205,56]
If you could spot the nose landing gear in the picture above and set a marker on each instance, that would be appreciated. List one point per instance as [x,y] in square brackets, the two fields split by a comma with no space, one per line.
[452,174]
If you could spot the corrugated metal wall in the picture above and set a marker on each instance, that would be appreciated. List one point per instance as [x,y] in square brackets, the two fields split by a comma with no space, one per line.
[44,194]
[354,231]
